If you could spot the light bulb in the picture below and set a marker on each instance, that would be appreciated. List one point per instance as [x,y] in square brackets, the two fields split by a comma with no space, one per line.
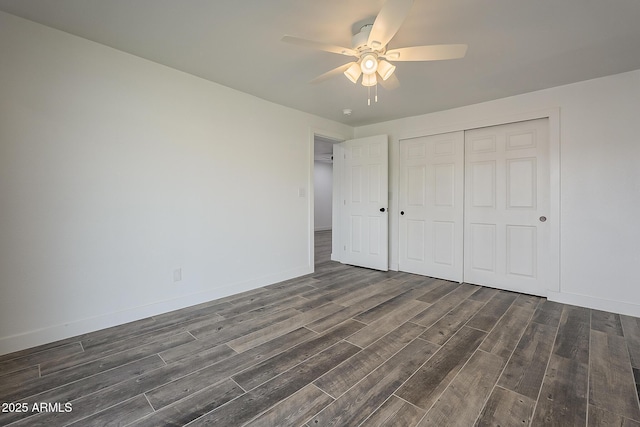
[369,63]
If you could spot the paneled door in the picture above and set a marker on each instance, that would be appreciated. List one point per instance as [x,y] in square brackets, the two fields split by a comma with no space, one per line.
[363,211]
[506,226]
[431,199]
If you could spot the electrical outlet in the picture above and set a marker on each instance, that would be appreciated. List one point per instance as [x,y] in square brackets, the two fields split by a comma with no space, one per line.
[177,275]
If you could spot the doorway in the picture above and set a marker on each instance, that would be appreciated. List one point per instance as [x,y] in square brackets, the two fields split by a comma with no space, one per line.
[322,183]
[323,199]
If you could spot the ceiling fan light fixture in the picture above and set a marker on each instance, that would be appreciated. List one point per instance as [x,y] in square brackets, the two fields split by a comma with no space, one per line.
[385,69]
[369,64]
[369,46]
[369,80]
[353,72]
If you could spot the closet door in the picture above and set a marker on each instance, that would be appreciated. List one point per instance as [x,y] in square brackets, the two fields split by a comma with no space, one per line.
[506,226]
[431,205]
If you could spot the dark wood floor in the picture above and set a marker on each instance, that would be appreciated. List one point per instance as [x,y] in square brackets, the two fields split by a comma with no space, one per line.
[343,346]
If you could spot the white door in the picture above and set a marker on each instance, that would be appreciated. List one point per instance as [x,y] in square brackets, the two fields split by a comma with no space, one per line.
[431,199]
[507,205]
[364,196]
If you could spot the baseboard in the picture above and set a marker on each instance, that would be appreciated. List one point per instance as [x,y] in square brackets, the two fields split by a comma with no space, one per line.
[82,326]
[620,307]
[322,228]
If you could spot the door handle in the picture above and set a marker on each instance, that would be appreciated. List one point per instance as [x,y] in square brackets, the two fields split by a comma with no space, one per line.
[401,212]
[382,209]
[543,218]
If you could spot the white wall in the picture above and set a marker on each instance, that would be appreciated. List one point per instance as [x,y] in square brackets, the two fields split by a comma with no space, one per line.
[115,171]
[599,181]
[323,191]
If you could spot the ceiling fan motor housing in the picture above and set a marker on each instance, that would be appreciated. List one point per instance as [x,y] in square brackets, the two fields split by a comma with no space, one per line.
[359,40]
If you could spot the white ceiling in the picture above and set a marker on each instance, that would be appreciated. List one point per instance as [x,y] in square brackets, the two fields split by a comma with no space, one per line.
[515,46]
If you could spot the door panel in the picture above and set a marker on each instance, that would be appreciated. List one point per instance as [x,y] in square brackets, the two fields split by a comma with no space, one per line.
[482,244]
[415,246]
[483,184]
[506,192]
[521,254]
[364,241]
[443,239]
[431,197]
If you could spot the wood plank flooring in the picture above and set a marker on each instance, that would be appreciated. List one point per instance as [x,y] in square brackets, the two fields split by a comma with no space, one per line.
[344,346]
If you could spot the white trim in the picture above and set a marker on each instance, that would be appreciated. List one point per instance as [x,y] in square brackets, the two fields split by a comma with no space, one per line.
[394,202]
[496,120]
[595,303]
[336,221]
[91,324]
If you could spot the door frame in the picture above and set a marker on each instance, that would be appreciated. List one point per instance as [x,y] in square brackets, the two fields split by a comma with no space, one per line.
[337,137]
[552,114]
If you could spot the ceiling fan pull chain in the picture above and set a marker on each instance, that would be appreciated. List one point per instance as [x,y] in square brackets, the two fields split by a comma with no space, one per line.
[369,98]
[376,91]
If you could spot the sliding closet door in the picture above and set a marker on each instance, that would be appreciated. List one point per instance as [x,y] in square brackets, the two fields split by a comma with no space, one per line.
[431,205]
[506,228]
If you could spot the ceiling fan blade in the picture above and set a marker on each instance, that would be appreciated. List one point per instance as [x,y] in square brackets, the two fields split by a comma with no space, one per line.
[427,53]
[391,83]
[319,46]
[388,22]
[332,73]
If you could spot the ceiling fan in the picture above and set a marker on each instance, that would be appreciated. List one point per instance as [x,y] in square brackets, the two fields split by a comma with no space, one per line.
[369,47]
